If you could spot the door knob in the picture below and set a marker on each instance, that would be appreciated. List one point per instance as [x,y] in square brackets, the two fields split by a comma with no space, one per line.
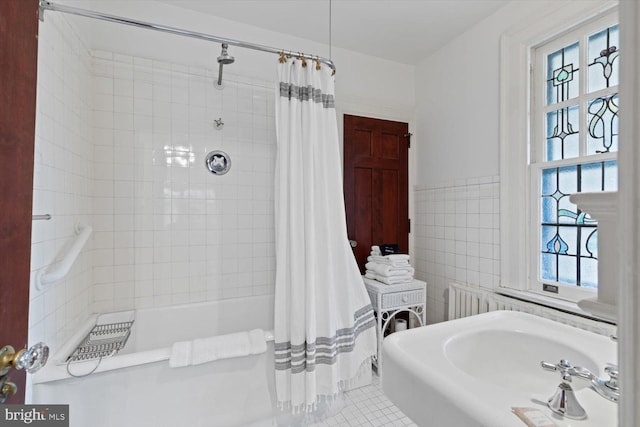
[30,360]
[353,243]
[34,358]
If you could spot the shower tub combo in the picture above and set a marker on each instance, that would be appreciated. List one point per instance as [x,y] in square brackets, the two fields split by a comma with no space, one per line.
[137,387]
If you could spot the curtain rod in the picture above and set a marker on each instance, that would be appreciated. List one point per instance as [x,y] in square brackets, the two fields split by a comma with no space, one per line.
[47,5]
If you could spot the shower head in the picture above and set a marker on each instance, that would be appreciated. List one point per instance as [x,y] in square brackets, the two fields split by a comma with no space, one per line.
[225,58]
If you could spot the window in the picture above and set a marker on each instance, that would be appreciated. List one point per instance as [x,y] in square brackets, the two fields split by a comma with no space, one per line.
[558,136]
[574,140]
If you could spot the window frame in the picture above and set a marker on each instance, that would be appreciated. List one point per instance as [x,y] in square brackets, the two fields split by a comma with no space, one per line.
[519,154]
[539,108]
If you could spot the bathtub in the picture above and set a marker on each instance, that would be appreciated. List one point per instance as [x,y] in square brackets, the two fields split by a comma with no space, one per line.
[138,388]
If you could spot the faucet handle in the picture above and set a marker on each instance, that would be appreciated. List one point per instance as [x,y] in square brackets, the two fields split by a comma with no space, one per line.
[564,367]
[612,371]
[548,366]
[563,364]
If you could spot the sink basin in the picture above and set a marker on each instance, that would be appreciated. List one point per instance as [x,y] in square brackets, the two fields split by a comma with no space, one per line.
[507,357]
[472,371]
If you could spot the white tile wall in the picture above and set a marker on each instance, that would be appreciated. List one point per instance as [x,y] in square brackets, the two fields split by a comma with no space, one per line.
[167,230]
[63,175]
[457,238]
[120,144]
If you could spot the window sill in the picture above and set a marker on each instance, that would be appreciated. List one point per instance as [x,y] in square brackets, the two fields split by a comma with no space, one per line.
[555,303]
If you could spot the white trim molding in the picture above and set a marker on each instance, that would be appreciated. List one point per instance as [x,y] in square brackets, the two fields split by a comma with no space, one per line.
[628,217]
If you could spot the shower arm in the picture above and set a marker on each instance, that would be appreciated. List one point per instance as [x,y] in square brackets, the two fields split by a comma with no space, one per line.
[47,5]
[220,74]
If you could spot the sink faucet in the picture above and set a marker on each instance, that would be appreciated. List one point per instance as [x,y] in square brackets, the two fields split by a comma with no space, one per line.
[564,402]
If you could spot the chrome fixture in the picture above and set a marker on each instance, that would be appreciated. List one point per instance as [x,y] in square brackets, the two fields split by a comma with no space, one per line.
[218,162]
[564,401]
[219,123]
[45,217]
[47,5]
[103,340]
[224,59]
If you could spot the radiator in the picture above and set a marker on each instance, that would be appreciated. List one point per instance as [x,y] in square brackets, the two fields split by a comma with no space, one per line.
[467,301]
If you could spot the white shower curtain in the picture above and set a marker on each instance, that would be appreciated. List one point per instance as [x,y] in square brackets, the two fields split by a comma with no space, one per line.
[324,324]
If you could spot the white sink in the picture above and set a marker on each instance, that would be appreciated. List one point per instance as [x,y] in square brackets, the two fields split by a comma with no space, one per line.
[472,371]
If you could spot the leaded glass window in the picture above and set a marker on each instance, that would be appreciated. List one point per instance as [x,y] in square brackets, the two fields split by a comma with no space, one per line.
[575,148]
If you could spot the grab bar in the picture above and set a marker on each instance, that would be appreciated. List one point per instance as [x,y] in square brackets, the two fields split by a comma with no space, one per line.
[45,217]
[62,269]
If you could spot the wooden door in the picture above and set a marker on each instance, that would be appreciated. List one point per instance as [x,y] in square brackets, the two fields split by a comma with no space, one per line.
[376,167]
[18,64]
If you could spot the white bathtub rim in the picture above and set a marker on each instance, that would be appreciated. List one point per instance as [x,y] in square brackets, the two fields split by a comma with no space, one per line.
[56,372]
[56,369]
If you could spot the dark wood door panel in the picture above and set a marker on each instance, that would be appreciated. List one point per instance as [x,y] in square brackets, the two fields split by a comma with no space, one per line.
[388,206]
[362,216]
[18,65]
[376,183]
[390,146]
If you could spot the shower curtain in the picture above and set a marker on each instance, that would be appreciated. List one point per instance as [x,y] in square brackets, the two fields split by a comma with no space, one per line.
[324,323]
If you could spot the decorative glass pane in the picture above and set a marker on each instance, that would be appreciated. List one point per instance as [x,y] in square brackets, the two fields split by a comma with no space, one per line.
[601,176]
[589,269]
[603,52]
[563,78]
[602,121]
[562,133]
[610,179]
[568,236]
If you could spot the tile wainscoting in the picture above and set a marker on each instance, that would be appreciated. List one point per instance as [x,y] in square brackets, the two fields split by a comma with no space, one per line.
[457,237]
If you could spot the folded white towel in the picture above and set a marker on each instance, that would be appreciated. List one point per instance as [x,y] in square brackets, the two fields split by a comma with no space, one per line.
[180,354]
[393,280]
[389,270]
[257,341]
[220,347]
[397,257]
[375,250]
[204,350]
[387,261]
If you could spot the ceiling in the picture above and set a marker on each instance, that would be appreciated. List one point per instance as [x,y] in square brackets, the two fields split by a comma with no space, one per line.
[404,31]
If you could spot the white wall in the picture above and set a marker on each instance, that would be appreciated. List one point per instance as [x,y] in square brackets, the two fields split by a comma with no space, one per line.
[167,230]
[63,180]
[457,238]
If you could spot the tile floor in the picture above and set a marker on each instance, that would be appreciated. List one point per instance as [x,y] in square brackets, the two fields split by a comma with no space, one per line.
[367,406]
